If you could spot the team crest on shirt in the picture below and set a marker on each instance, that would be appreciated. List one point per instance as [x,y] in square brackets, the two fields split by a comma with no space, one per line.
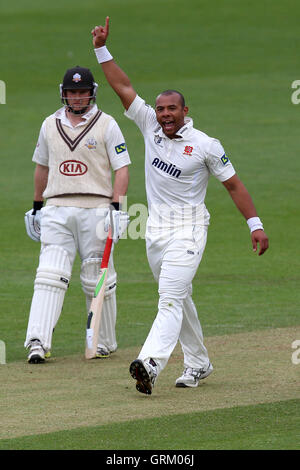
[157,140]
[188,150]
[91,143]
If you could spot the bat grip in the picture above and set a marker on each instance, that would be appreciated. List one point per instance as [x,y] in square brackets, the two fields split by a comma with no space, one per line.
[107,250]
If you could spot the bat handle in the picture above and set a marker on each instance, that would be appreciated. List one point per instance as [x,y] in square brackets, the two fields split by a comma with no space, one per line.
[107,250]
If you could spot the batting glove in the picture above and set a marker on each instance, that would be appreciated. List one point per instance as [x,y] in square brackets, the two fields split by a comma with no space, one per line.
[118,221]
[33,221]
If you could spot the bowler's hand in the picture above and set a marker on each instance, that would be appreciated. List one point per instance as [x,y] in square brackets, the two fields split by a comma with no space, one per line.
[259,237]
[100,34]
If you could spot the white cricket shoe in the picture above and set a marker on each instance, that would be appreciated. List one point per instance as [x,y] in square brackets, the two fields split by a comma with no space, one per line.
[37,353]
[145,374]
[102,353]
[191,377]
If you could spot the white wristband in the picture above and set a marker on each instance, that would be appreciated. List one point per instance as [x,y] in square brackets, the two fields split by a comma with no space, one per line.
[254,223]
[102,54]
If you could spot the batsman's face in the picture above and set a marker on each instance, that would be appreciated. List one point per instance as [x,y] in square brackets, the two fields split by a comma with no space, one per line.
[78,99]
[170,113]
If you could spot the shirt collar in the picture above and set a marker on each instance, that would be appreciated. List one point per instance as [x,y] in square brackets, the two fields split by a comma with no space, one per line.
[182,133]
[61,114]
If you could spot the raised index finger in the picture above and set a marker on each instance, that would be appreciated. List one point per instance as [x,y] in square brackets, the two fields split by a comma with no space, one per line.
[107,24]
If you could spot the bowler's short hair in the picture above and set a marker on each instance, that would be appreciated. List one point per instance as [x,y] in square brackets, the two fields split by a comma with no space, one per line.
[171,92]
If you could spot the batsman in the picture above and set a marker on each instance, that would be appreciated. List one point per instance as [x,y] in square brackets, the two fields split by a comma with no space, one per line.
[78,149]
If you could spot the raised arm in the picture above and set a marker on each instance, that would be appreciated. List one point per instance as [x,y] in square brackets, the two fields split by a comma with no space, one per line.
[115,76]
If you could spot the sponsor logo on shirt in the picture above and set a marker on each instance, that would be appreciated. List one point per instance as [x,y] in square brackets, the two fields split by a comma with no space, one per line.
[188,150]
[73,168]
[120,148]
[167,168]
[224,159]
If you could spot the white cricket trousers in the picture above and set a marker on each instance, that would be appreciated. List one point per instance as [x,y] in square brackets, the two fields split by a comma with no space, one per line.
[174,260]
[68,230]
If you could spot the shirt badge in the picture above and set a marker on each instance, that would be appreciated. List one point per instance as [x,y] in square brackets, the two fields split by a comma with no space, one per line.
[91,143]
[188,150]
[120,148]
[224,159]
[157,139]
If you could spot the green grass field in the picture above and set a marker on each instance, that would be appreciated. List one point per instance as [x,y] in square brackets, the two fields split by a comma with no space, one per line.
[234,62]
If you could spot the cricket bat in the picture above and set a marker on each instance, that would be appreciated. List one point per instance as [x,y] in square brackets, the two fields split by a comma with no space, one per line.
[94,316]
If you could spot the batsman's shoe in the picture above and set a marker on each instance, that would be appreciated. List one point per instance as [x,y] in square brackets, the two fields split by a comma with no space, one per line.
[145,373]
[36,354]
[191,377]
[102,353]
[47,354]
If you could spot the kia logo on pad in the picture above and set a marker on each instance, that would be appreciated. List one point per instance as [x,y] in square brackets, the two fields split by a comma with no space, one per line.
[73,168]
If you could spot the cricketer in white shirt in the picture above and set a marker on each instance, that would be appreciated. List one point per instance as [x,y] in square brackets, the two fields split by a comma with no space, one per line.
[98,155]
[178,162]
[79,158]
[177,172]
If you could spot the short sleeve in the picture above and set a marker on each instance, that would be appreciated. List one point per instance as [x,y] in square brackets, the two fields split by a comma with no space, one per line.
[142,114]
[116,146]
[41,154]
[218,162]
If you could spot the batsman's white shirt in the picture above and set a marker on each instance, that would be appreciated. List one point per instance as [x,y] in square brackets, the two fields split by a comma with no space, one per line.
[113,137]
[177,170]
[80,158]
[79,187]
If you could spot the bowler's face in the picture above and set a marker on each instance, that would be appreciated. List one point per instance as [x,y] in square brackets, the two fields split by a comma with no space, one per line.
[170,113]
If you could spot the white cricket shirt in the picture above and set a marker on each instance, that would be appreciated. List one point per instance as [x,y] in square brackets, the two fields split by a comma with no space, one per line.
[177,170]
